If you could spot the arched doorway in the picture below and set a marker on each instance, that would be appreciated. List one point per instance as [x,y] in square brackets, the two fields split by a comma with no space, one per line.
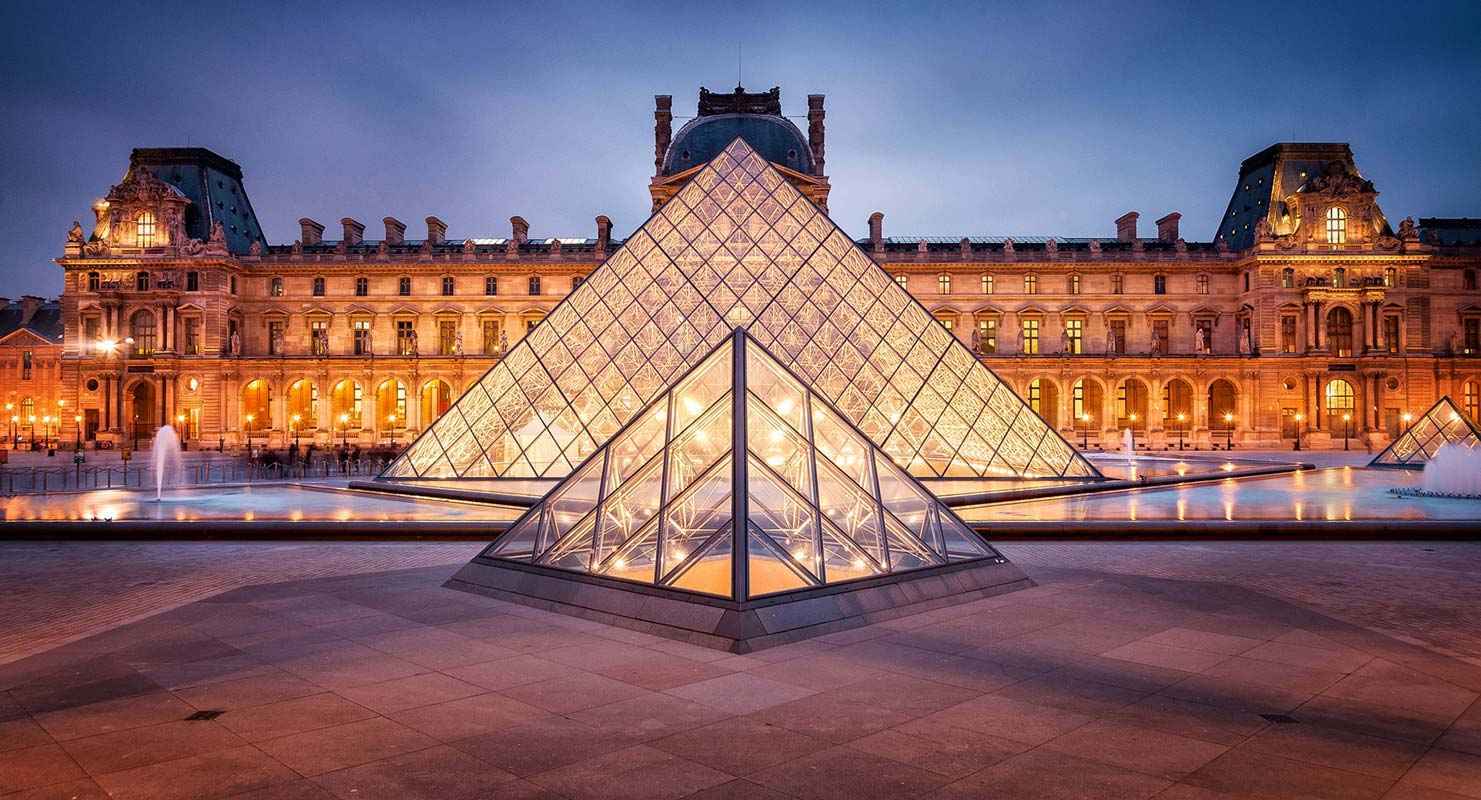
[1339,332]
[1177,406]
[1131,404]
[390,404]
[1223,415]
[1043,398]
[257,413]
[345,402]
[303,406]
[144,413]
[1341,401]
[437,395]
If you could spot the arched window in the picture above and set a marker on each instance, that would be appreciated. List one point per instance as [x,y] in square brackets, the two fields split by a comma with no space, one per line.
[346,402]
[1339,331]
[257,406]
[144,229]
[141,327]
[1470,400]
[1336,226]
[1339,402]
[437,395]
[303,403]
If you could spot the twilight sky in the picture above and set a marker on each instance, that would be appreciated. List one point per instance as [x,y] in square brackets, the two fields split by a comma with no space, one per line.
[952,118]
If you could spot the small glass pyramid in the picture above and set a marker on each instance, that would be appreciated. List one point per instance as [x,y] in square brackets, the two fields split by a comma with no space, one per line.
[739,246]
[739,482]
[1442,424]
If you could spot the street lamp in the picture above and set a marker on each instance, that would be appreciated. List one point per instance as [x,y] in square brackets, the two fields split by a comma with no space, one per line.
[14,434]
[9,410]
[1228,430]
[1085,432]
[1131,429]
[1182,418]
[1298,416]
[77,425]
[249,418]
[1346,430]
[33,431]
[295,420]
[391,418]
[344,429]
[46,432]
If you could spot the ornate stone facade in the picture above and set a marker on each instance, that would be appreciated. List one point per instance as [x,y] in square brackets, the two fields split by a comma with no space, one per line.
[1293,319]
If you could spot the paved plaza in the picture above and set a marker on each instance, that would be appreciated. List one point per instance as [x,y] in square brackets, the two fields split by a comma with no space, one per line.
[345,670]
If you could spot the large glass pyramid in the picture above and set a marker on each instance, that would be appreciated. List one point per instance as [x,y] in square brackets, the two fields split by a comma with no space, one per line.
[739,246]
[740,482]
[1442,424]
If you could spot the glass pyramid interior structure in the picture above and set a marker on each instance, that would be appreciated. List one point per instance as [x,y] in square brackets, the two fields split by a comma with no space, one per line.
[739,482]
[739,246]
[1442,424]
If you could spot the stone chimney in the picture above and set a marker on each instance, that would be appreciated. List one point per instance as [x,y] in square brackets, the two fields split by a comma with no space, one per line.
[604,234]
[29,304]
[663,129]
[395,231]
[876,232]
[1126,227]
[354,231]
[1167,227]
[815,130]
[436,230]
[312,232]
[521,229]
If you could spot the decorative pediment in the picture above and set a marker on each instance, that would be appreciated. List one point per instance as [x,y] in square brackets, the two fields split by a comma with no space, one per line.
[1162,309]
[404,310]
[22,335]
[360,310]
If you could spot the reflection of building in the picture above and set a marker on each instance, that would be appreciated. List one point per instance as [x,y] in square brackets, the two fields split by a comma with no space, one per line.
[30,373]
[1307,304]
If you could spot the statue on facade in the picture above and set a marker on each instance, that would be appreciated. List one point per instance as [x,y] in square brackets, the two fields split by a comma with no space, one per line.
[1064,341]
[411,342]
[1244,333]
[102,223]
[297,247]
[218,235]
[383,251]
[75,236]
[276,340]
[469,246]
[503,343]
[256,249]
[1200,340]
[458,344]
[1111,348]
[1051,247]
[1156,342]
[1095,247]
[1263,232]
[976,341]
[369,350]
[235,343]
[1407,231]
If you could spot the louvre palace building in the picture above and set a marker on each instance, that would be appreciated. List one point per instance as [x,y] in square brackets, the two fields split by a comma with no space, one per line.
[1307,314]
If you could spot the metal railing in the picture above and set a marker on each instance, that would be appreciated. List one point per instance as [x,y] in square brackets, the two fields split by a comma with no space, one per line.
[80,477]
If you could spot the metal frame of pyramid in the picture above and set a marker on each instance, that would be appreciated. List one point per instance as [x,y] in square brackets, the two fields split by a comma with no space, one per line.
[739,509]
[739,246]
[1444,423]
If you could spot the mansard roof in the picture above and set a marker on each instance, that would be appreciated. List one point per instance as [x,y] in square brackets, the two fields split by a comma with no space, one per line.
[1450,230]
[45,321]
[213,184]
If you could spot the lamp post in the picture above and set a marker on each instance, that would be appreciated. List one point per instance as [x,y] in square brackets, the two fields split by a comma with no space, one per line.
[391,418]
[77,432]
[344,429]
[1085,432]
[1228,430]
[1346,430]
[1182,419]
[46,433]
[9,411]
[249,419]
[1298,417]
[14,433]
[1132,429]
[33,431]
[295,419]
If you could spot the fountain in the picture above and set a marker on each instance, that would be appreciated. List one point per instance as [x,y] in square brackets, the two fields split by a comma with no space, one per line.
[165,455]
[1128,446]
[1453,471]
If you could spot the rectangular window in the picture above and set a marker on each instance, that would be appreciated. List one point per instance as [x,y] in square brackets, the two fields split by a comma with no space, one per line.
[362,287]
[1391,334]
[89,331]
[1288,334]
[403,286]
[1203,284]
[232,284]
[449,286]
[1118,283]
[1468,280]
[361,328]
[903,281]
[987,336]
[1207,327]
[141,282]
[1473,336]
[26,360]
[534,284]
[490,337]
[1031,284]
[1030,337]
[1074,284]
[1288,278]
[275,332]
[1074,333]
[1159,284]
[318,287]
[490,285]
[192,336]
[405,336]
[319,335]
[447,336]
[93,279]
[1160,332]
[943,283]
[947,322]
[1118,336]
[275,287]
[986,284]
[192,281]
[1390,277]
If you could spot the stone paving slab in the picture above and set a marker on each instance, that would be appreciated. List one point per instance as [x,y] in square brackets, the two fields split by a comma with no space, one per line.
[1092,684]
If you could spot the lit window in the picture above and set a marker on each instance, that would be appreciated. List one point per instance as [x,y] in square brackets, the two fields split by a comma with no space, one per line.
[144,229]
[1471,400]
[403,286]
[1339,401]
[1074,334]
[534,284]
[490,337]
[1030,337]
[275,288]
[1203,283]
[948,323]
[361,328]
[987,336]
[490,285]
[1074,284]
[1159,284]
[986,284]
[1031,284]
[900,279]
[1035,396]
[1339,278]
[1288,278]
[1336,226]
[943,283]
[1391,277]
[26,363]
[1118,283]
[405,333]
[362,287]
[449,286]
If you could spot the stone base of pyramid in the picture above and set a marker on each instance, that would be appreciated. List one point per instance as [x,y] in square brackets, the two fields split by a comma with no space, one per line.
[742,627]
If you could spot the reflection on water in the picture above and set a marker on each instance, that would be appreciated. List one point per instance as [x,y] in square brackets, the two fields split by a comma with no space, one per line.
[247,503]
[1342,493]
[1113,467]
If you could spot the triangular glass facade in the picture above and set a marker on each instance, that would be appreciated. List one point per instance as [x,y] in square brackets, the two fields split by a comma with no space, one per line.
[1442,424]
[739,246]
[740,482]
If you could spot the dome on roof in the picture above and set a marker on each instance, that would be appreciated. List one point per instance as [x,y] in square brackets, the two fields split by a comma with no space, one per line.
[775,138]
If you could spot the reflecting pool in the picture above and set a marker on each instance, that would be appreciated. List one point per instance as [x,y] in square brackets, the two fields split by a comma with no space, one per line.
[1341,493]
[292,503]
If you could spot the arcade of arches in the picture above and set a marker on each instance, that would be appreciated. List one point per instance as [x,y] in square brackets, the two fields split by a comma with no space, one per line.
[389,413]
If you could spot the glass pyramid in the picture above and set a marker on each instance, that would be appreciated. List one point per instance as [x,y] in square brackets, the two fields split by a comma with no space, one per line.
[1442,424]
[739,246]
[740,482]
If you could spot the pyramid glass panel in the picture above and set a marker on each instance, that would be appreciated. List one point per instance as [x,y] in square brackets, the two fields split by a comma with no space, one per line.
[762,488]
[1442,424]
[738,246]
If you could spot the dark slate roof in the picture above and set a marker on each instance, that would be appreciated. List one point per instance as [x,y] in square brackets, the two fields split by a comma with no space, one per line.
[1030,246]
[45,322]
[214,186]
[1281,167]
[775,138]
[1450,230]
[481,246]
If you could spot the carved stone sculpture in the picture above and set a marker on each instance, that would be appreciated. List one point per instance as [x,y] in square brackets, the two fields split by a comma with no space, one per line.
[75,236]
[1200,340]
[1407,231]
[458,344]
